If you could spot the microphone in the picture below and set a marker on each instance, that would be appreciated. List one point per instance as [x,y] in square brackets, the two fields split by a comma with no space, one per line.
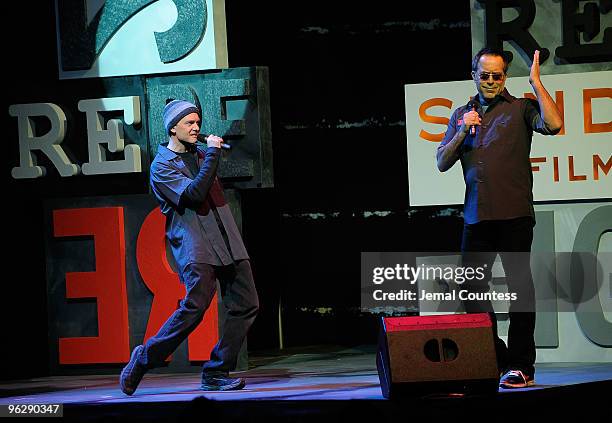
[202,139]
[472,104]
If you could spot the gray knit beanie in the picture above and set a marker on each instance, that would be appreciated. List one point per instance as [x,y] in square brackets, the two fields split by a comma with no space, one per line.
[177,110]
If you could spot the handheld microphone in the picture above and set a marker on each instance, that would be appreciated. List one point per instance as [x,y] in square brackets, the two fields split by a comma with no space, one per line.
[472,127]
[202,139]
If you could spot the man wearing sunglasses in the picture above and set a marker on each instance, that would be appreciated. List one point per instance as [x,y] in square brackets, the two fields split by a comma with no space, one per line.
[491,136]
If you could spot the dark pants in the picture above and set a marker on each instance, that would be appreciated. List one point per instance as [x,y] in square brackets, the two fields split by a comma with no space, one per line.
[512,240]
[239,299]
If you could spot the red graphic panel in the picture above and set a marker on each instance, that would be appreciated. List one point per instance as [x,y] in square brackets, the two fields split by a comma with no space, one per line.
[107,284]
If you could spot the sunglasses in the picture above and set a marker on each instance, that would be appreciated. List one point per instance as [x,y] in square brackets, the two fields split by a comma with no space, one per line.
[484,76]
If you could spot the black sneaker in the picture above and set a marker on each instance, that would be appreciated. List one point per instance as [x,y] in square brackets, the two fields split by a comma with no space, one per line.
[516,379]
[132,373]
[221,383]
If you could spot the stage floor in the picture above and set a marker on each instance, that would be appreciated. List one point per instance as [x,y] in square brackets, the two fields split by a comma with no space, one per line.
[340,375]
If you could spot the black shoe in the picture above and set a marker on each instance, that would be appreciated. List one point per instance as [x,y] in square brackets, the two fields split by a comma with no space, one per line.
[132,373]
[221,383]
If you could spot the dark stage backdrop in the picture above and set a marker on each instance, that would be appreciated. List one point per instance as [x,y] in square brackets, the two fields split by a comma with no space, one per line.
[337,75]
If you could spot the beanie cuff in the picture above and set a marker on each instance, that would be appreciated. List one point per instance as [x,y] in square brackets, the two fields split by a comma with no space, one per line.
[180,116]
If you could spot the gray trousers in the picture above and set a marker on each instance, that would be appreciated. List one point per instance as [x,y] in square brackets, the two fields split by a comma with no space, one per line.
[239,299]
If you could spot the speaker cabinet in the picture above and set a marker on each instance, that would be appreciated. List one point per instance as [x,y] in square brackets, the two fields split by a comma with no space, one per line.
[441,354]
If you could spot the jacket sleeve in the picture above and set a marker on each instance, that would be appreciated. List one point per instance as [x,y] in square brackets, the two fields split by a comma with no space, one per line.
[168,183]
[195,193]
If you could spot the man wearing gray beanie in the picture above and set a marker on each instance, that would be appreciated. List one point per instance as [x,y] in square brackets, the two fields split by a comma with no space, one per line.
[206,246]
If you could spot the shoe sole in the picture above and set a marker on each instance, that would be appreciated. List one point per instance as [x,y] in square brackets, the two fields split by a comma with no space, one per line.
[234,387]
[124,388]
[517,385]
